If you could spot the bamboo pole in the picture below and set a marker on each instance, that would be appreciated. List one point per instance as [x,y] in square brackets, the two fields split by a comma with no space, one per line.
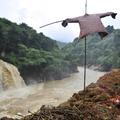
[85,60]
[50,23]
[85,66]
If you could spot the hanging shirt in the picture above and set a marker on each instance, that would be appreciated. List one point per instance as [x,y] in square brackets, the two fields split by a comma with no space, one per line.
[91,23]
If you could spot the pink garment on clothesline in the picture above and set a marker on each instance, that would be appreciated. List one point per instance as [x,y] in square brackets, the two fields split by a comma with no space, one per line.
[90,23]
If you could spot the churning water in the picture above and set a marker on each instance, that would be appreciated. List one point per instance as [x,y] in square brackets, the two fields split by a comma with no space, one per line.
[33,97]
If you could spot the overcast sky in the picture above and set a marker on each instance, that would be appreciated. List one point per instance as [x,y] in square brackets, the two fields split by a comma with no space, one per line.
[36,13]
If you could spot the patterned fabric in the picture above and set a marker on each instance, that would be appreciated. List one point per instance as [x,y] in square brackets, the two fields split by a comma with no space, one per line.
[90,23]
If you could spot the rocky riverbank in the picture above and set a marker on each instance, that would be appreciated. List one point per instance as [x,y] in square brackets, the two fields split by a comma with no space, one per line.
[100,101]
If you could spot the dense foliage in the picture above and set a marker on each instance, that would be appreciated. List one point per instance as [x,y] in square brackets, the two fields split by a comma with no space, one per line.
[37,56]
[102,53]
[41,58]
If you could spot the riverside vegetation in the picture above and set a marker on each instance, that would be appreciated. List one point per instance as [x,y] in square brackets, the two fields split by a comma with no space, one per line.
[102,53]
[36,56]
[40,58]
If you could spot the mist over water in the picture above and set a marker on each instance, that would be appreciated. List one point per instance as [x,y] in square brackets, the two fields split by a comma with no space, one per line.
[48,93]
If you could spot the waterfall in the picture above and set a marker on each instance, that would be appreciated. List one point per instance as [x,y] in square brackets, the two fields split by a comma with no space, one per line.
[10,76]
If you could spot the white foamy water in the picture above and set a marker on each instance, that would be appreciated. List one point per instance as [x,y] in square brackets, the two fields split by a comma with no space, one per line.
[9,76]
[49,93]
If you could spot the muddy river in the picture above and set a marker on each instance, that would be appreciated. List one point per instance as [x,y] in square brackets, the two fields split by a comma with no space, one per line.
[30,98]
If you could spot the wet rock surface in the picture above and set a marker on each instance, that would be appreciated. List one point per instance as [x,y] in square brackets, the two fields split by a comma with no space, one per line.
[100,101]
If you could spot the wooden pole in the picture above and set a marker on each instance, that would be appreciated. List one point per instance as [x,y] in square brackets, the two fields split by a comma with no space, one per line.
[85,54]
[86,7]
[85,66]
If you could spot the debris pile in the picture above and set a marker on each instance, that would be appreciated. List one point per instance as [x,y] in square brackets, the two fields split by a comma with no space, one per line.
[100,101]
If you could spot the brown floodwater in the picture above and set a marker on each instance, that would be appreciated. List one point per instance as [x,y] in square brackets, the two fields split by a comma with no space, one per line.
[31,98]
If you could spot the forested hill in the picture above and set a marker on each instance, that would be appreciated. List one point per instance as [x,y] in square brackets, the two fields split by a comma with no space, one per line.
[37,56]
[61,44]
[102,53]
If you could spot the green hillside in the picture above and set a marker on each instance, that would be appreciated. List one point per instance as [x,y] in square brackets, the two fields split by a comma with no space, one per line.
[102,53]
[38,57]
[61,44]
